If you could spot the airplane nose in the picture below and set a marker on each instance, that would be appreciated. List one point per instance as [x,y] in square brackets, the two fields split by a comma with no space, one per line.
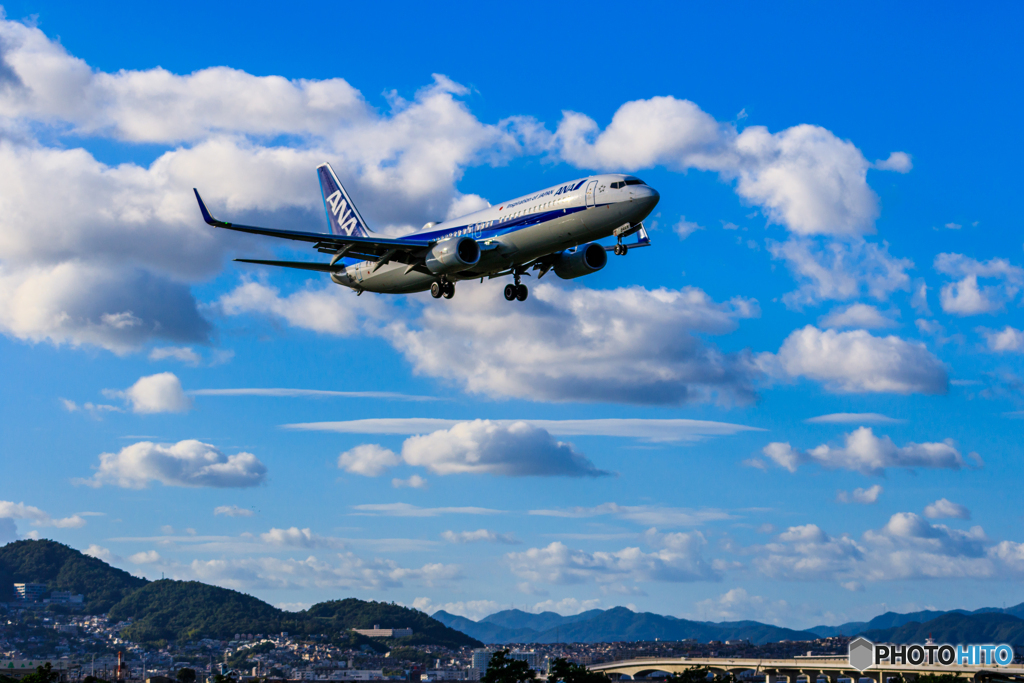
[648,197]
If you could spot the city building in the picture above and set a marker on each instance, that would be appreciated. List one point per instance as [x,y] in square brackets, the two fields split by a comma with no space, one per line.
[531,658]
[32,592]
[481,658]
[378,632]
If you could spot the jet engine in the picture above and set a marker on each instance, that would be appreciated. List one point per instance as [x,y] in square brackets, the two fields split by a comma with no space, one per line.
[587,259]
[452,255]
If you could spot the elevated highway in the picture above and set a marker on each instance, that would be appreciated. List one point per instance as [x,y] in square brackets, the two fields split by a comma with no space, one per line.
[812,669]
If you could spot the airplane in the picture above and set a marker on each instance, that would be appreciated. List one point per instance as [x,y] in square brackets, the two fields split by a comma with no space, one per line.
[553,229]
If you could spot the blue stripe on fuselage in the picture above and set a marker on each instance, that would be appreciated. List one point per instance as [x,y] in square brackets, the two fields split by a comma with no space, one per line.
[497,227]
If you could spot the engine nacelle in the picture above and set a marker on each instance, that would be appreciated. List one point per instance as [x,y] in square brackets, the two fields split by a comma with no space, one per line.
[587,259]
[452,255]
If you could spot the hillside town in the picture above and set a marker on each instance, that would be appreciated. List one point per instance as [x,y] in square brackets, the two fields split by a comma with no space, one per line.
[35,630]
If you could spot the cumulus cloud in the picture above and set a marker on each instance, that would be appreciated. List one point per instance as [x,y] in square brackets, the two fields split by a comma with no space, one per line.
[185,354]
[295,537]
[571,345]
[1007,340]
[863,316]
[110,264]
[471,609]
[685,228]
[946,509]
[803,177]
[737,604]
[866,453]
[965,296]
[12,511]
[160,393]
[232,511]
[145,557]
[483,447]
[328,310]
[831,270]
[186,463]
[369,460]
[858,362]
[101,553]
[678,559]
[866,496]
[897,161]
[478,536]
[413,482]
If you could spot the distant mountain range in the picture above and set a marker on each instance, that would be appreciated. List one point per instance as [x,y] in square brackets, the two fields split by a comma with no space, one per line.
[620,624]
[616,624]
[190,610]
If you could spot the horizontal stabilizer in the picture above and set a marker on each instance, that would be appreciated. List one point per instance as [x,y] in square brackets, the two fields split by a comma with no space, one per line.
[301,265]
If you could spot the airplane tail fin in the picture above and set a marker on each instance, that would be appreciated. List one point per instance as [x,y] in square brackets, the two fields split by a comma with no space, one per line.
[342,215]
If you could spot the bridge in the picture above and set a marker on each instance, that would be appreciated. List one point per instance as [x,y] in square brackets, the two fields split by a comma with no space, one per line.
[830,668]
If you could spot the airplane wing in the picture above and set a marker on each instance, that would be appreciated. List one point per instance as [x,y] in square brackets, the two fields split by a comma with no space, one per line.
[377,249]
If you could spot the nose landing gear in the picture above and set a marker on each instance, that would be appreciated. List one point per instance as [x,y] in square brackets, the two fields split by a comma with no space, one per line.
[620,249]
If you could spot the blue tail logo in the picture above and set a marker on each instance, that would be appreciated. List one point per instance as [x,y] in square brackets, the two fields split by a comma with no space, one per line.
[342,215]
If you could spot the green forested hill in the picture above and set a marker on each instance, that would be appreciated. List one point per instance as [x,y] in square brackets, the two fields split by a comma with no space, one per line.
[189,610]
[352,613]
[953,627]
[64,568]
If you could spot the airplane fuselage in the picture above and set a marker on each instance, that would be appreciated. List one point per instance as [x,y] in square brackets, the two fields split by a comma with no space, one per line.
[519,231]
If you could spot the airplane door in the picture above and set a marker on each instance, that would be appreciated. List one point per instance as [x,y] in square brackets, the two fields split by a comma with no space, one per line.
[591,193]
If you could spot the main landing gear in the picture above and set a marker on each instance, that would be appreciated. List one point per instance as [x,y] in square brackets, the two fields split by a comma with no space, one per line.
[516,291]
[445,288]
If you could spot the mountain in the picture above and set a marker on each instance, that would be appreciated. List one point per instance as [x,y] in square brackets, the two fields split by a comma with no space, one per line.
[190,610]
[893,620]
[66,569]
[612,625]
[956,627]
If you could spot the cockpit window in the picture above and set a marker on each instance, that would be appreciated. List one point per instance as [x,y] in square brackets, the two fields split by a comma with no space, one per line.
[617,185]
[635,181]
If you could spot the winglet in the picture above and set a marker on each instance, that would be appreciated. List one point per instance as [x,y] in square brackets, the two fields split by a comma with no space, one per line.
[206,213]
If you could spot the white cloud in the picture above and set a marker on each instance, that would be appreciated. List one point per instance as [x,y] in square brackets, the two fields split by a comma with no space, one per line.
[471,609]
[829,270]
[145,557]
[897,161]
[966,297]
[638,428]
[803,177]
[369,460]
[857,362]
[678,559]
[946,509]
[862,316]
[1007,340]
[408,510]
[185,354]
[685,228]
[95,410]
[866,453]
[186,463]
[12,510]
[160,393]
[413,482]
[919,298]
[571,345]
[853,418]
[566,606]
[477,536]
[329,310]
[101,553]
[483,447]
[647,515]
[866,496]
[737,604]
[295,537]
[232,511]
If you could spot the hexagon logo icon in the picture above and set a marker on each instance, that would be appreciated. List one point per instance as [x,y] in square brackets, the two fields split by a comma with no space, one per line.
[862,653]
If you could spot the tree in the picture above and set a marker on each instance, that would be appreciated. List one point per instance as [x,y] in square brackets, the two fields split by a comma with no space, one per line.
[563,671]
[186,675]
[501,669]
[691,675]
[43,674]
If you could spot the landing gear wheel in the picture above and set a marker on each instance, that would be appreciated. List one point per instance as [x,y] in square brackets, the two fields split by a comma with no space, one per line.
[624,249]
[510,292]
[436,290]
[617,250]
[522,292]
[449,290]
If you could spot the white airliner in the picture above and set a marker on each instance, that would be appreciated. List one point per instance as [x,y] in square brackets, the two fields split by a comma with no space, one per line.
[554,229]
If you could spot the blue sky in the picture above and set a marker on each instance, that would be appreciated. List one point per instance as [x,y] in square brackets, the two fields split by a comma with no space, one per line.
[837,239]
